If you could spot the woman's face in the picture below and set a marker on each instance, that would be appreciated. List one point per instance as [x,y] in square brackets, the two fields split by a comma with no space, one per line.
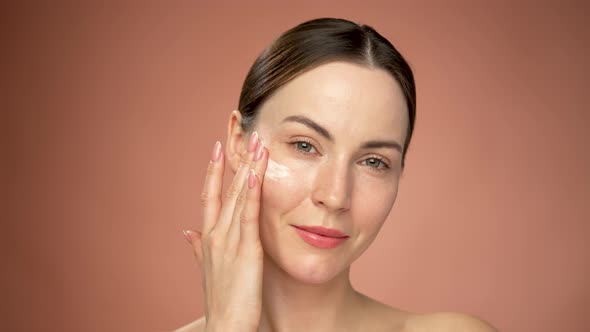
[335,136]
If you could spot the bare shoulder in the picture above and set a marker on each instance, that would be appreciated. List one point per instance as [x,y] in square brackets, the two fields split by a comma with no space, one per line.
[383,317]
[195,326]
[447,321]
[380,317]
[386,318]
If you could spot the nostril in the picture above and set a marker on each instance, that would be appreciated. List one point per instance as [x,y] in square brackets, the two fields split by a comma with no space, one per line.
[332,187]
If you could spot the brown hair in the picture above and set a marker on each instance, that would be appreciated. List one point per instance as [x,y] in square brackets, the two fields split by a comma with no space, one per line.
[316,42]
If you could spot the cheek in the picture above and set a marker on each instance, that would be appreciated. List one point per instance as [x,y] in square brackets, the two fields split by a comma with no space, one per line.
[284,188]
[374,203]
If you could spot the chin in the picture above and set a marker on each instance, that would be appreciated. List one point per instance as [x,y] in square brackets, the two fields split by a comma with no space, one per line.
[305,271]
[313,271]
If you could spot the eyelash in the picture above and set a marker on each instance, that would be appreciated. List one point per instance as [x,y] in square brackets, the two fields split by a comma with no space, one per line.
[376,169]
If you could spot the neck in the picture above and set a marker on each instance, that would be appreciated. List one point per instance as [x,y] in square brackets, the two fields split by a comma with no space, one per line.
[291,305]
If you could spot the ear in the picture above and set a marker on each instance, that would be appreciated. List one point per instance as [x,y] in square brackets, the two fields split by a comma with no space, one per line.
[235,147]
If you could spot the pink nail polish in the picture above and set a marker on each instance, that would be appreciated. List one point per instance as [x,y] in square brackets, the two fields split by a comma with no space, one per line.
[259,152]
[253,142]
[187,237]
[251,179]
[216,151]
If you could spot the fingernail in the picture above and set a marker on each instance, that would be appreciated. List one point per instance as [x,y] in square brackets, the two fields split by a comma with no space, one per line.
[251,179]
[187,237]
[253,142]
[216,154]
[259,151]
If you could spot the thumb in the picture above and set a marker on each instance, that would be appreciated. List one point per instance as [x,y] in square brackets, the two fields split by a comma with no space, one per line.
[194,238]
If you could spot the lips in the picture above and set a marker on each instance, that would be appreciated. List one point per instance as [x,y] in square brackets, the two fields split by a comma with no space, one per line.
[321,237]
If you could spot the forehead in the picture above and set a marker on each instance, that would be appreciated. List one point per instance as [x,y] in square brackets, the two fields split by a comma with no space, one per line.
[346,98]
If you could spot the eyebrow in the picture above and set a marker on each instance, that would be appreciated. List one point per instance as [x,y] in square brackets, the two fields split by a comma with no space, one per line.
[326,134]
[311,124]
[382,144]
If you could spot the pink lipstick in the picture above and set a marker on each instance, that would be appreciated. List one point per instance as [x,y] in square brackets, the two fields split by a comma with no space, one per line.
[321,237]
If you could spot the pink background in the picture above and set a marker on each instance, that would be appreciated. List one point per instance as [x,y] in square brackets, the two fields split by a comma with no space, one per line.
[113,110]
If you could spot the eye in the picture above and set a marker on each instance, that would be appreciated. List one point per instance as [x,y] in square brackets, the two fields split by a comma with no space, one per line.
[375,163]
[304,146]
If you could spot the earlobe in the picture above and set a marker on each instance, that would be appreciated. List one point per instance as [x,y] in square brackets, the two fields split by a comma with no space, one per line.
[235,135]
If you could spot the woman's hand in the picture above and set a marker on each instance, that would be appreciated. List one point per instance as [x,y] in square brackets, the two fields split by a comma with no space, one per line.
[229,250]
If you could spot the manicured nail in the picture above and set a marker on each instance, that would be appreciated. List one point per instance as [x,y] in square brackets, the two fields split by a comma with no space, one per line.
[216,151]
[253,142]
[187,237]
[259,151]
[251,179]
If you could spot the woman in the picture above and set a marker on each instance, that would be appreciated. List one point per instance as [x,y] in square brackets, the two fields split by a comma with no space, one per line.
[317,147]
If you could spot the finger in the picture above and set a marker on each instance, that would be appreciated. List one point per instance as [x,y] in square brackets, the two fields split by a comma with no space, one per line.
[234,229]
[211,194]
[249,219]
[261,163]
[250,216]
[233,232]
[194,238]
[233,193]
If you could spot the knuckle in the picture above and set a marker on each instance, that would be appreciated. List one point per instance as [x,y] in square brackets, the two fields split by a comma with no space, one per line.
[206,197]
[234,190]
[212,242]
[211,170]
[241,199]
[244,219]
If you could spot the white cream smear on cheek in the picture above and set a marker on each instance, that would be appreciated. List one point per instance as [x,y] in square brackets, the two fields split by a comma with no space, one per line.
[276,171]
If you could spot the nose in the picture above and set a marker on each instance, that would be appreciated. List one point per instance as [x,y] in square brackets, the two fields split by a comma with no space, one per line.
[333,185]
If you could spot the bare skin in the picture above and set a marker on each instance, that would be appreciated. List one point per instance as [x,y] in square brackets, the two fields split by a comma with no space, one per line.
[336,132]
[380,317]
